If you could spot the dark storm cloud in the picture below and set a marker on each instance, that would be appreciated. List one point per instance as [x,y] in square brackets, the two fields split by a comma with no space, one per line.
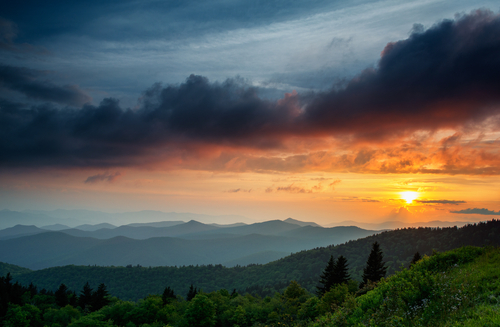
[27,81]
[477,211]
[442,77]
[446,76]
[440,202]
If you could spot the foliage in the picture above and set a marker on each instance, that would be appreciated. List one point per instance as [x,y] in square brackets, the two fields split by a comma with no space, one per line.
[200,312]
[61,317]
[168,295]
[13,270]
[455,288]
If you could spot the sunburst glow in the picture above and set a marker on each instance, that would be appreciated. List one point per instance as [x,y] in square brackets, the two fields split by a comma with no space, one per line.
[409,196]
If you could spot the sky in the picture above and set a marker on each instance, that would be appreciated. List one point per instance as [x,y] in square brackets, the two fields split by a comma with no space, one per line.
[324,111]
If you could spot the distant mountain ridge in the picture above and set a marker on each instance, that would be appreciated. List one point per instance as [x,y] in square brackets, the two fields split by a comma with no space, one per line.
[74,218]
[181,244]
[301,223]
[123,218]
[135,283]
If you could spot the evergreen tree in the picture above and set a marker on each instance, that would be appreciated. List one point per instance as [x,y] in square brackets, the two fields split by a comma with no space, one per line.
[32,289]
[73,299]
[85,298]
[375,267]
[416,257]
[61,296]
[191,293]
[326,278]
[340,271]
[168,295]
[100,297]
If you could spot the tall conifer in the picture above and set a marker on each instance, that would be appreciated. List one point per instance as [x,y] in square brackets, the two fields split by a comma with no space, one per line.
[375,266]
[340,271]
[326,278]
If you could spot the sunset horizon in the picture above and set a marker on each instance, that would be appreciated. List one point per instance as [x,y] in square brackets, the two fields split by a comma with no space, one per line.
[371,112]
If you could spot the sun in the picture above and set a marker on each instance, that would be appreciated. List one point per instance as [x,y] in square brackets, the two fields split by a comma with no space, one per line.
[409,196]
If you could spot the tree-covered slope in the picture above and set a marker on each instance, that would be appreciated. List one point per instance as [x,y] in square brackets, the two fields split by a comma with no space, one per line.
[456,288]
[398,247]
[14,270]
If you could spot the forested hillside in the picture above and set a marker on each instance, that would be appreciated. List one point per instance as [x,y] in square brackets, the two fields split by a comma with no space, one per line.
[456,288]
[399,246]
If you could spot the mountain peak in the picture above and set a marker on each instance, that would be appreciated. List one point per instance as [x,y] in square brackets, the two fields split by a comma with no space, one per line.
[300,223]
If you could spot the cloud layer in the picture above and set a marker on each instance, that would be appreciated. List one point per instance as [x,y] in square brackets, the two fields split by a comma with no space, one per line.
[478,211]
[384,120]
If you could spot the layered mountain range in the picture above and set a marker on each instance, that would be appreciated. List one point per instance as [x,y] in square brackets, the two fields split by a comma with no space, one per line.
[167,243]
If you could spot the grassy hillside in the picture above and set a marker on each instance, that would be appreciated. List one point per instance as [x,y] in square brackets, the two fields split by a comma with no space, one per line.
[456,288]
[398,246]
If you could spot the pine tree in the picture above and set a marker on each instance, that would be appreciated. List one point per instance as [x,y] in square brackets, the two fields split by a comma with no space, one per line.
[191,293]
[100,297]
[168,295]
[416,257]
[340,271]
[61,296]
[375,267]
[326,278]
[85,298]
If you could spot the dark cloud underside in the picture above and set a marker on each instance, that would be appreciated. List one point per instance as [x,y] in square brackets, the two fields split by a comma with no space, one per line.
[29,82]
[478,211]
[444,77]
[440,202]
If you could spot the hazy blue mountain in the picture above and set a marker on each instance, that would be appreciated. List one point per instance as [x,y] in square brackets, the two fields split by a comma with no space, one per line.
[18,231]
[157,224]
[44,249]
[143,232]
[123,218]
[91,228]
[60,248]
[84,216]
[55,227]
[196,231]
[10,218]
[229,225]
[301,223]
[272,227]
[190,227]
[56,248]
